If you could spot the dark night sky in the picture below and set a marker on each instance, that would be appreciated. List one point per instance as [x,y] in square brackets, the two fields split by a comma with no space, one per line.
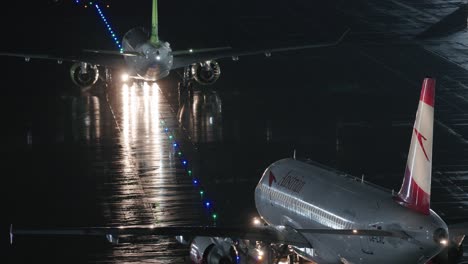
[182,23]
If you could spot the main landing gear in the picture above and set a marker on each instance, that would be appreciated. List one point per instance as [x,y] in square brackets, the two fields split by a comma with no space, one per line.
[185,87]
[186,84]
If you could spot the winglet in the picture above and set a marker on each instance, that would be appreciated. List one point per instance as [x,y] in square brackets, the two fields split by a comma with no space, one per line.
[11,234]
[415,191]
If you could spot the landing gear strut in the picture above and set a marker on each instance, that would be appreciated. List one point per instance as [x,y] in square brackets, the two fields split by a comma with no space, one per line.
[187,77]
[185,87]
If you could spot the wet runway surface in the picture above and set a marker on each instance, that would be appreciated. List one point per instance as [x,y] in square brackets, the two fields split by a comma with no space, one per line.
[110,159]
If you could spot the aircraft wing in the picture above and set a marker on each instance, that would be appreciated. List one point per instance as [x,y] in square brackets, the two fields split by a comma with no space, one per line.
[268,234]
[95,57]
[188,57]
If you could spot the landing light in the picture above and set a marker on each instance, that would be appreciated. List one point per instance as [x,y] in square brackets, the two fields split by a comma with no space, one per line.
[354,231]
[158,57]
[256,221]
[443,242]
[124,77]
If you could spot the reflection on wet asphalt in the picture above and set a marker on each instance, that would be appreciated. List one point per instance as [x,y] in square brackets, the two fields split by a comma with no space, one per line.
[153,186]
[109,160]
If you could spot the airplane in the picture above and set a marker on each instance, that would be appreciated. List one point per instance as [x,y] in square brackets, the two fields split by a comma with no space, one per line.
[326,216]
[145,57]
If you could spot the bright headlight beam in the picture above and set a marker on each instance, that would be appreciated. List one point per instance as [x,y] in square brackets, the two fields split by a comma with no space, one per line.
[443,242]
[256,221]
[124,77]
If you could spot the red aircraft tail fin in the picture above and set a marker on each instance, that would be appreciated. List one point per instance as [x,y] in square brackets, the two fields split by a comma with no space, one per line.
[415,192]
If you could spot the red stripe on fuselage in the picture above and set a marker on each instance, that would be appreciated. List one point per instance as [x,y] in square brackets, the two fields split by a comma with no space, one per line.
[412,196]
[428,91]
[271,179]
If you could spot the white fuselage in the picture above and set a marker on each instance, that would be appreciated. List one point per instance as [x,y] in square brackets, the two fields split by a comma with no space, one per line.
[302,195]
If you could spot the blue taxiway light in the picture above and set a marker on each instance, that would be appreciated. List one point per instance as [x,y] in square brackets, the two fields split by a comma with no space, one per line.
[104,19]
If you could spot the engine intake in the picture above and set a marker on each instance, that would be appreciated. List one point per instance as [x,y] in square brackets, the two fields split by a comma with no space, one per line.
[84,74]
[207,72]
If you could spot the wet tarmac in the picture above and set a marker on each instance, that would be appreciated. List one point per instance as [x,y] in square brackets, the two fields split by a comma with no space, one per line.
[109,158]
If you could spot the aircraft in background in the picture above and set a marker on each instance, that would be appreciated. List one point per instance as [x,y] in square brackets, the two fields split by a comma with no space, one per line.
[145,57]
[326,216]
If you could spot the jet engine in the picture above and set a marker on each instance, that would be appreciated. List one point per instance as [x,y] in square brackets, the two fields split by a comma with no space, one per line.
[210,250]
[206,72]
[84,74]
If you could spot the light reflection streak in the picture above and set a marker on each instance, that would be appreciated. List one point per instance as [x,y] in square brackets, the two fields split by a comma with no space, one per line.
[97,114]
[86,118]
[141,134]
[202,115]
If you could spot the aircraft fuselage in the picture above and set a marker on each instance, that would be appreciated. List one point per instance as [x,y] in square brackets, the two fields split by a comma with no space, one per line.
[153,62]
[302,195]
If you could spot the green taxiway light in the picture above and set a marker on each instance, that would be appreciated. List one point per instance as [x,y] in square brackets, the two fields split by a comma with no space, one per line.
[201,192]
[180,153]
[215,216]
[189,172]
[170,137]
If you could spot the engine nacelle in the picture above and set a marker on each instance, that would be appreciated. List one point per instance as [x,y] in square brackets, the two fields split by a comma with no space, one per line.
[206,72]
[84,74]
[212,250]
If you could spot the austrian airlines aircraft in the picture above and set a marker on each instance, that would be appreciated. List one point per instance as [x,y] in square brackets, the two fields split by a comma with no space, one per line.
[329,217]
